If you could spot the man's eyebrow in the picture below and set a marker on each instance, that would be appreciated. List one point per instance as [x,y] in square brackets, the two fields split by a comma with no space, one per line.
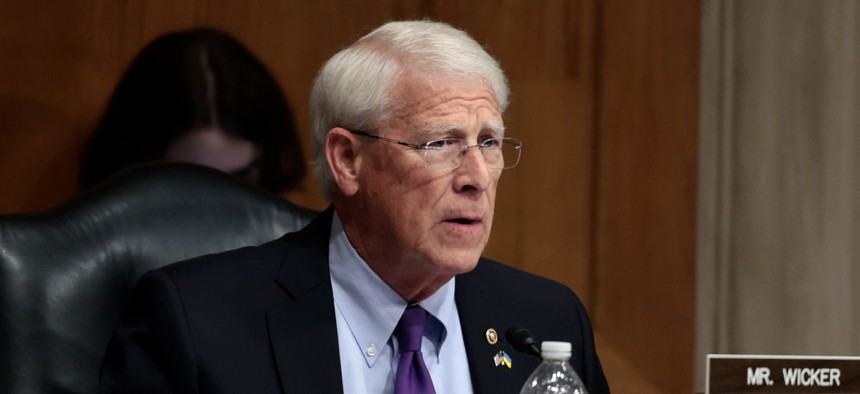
[497,127]
[432,131]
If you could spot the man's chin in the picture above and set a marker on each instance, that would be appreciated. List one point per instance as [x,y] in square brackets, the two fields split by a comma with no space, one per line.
[462,264]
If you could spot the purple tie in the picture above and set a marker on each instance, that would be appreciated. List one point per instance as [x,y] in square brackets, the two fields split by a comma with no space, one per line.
[412,375]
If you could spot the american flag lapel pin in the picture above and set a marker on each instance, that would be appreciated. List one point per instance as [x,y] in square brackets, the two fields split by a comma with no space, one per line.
[502,358]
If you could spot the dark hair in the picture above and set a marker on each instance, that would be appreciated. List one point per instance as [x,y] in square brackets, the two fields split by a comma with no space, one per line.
[189,80]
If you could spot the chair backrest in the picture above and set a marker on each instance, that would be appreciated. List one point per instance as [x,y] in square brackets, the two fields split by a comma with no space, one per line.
[65,273]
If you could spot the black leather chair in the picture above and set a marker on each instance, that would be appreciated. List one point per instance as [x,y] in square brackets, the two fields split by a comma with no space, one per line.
[65,273]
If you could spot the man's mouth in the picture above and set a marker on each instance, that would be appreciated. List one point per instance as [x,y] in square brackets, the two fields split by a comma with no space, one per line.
[464,220]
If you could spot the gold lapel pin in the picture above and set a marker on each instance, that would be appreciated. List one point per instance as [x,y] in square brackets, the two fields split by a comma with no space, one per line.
[492,336]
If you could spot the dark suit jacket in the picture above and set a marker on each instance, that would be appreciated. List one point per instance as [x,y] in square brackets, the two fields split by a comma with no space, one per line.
[261,320]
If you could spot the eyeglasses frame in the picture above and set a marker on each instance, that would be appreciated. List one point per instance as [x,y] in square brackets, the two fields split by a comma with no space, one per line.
[517,144]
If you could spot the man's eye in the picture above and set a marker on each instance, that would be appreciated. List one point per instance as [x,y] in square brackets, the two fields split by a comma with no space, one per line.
[438,144]
[490,143]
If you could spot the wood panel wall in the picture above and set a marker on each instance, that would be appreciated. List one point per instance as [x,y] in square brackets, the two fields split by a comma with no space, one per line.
[646,186]
[604,97]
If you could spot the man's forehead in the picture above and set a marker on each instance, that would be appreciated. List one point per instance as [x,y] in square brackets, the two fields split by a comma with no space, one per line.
[444,105]
[433,89]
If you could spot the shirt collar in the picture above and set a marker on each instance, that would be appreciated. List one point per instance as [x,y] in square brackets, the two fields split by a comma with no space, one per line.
[370,307]
[442,312]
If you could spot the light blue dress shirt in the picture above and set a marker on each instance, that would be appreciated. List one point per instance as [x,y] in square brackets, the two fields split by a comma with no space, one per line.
[367,310]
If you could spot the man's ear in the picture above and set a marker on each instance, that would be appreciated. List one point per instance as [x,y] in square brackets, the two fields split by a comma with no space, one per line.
[341,152]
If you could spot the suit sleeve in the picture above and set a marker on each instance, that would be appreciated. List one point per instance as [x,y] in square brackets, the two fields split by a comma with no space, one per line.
[150,350]
[592,370]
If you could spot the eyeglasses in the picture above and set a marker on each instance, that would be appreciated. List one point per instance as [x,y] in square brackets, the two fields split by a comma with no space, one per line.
[447,153]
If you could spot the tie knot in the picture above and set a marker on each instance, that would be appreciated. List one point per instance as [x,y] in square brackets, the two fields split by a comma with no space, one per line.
[410,329]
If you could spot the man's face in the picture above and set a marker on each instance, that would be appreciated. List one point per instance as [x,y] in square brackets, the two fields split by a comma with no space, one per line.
[427,220]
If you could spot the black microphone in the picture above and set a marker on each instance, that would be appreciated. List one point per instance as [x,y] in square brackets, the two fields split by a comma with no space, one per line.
[522,340]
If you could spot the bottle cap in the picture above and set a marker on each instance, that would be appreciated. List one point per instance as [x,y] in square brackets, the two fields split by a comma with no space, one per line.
[552,350]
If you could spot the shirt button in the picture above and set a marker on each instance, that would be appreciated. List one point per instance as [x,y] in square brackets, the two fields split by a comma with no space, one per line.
[371,351]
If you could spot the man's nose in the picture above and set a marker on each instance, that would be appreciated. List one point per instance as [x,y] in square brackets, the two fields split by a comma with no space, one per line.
[473,172]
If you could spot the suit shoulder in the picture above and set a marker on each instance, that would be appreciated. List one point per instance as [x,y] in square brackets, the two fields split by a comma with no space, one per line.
[246,262]
[306,244]
[492,274]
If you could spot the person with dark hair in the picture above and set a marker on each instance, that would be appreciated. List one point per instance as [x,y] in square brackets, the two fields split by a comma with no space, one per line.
[198,96]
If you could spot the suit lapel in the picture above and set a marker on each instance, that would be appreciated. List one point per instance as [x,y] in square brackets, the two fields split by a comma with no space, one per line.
[302,326]
[478,313]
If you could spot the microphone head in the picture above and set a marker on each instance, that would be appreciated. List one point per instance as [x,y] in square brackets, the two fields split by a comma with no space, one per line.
[522,340]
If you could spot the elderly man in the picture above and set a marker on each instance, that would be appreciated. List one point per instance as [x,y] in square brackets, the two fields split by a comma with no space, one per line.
[386,290]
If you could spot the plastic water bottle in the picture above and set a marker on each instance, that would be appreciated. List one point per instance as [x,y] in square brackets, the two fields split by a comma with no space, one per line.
[554,375]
